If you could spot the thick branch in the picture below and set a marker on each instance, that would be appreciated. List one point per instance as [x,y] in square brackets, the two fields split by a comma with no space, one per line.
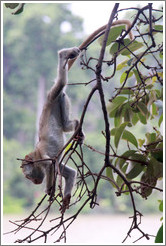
[99,84]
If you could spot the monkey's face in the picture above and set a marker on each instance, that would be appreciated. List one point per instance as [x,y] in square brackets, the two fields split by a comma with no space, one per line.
[32,171]
[35,174]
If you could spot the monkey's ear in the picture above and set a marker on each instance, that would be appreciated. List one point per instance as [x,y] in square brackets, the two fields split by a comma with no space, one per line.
[28,158]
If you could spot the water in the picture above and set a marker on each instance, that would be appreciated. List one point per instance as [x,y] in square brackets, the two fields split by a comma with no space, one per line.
[92,229]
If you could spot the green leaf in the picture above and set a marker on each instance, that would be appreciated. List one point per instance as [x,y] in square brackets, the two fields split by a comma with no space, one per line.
[161,55]
[139,157]
[109,174]
[142,118]
[161,206]
[135,45]
[158,93]
[126,91]
[154,109]
[152,97]
[114,33]
[127,62]
[125,75]
[141,142]
[160,120]
[157,167]
[118,134]
[118,116]
[120,161]
[130,138]
[113,131]
[132,46]
[130,61]
[139,81]
[142,108]
[11,5]
[68,147]
[158,27]
[121,65]
[148,179]
[112,106]
[19,10]
[128,113]
[159,237]
[151,137]
[119,180]
[135,168]
[117,46]
[134,108]
[135,119]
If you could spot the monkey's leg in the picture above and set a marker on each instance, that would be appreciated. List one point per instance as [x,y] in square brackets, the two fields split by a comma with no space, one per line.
[68,125]
[70,175]
[50,177]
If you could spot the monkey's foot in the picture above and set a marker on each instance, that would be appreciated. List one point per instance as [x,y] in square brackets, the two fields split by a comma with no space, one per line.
[65,204]
[80,137]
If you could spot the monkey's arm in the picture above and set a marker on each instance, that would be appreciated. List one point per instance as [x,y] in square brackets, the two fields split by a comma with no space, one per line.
[47,167]
[100,30]
[62,72]
[69,125]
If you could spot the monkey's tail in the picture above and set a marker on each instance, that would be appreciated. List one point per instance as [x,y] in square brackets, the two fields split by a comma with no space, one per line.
[100,31]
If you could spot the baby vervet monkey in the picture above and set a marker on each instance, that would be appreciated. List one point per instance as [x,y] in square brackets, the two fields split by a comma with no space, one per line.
[54,122]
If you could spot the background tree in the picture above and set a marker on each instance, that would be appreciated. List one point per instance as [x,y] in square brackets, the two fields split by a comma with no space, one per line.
[30,59]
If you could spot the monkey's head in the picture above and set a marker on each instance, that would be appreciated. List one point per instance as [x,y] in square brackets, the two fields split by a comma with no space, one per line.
[32,170]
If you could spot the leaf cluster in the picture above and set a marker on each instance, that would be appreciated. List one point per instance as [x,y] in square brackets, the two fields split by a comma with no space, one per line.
[137,101]
[19,7]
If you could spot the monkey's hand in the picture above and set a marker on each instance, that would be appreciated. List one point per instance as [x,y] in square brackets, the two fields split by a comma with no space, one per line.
[70,53]
[73,52]
[65,204]
[80,137]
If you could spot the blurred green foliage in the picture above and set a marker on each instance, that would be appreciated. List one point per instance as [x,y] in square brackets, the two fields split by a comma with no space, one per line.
[31,42]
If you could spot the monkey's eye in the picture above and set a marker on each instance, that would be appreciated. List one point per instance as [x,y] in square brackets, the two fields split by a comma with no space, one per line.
[26,163]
